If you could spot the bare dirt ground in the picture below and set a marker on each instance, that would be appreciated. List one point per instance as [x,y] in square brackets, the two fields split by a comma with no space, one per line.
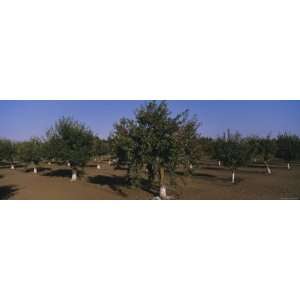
[208,182]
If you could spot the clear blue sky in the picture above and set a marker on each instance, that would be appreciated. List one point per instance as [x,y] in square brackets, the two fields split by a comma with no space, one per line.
[23,119]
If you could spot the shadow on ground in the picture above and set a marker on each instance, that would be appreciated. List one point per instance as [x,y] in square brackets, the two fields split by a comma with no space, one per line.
[62,173]
[114,182]
[223,180]
[40,169]
[7,191]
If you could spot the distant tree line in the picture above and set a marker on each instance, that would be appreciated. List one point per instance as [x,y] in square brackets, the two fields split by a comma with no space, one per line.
[152,146]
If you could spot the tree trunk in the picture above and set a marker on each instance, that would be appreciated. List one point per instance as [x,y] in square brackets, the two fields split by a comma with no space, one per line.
[268,169]
[35,170]
[163,189]
[98,167]
[219,163]
[74,175]
[12,167]
[288,166]
[49,163]
[233,177]
[68,164]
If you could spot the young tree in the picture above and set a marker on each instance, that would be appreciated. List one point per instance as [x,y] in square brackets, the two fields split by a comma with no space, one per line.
[48,152]
[100,148]
[217,151]
[267,148]
[189,144]
[233,151]
[122,141]
[253,143]
[71,141]
[31,152]
[8,151]
[287,148]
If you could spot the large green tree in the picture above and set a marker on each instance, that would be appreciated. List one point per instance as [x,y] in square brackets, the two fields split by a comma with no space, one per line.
[71,142]
[287,148]
[157,141]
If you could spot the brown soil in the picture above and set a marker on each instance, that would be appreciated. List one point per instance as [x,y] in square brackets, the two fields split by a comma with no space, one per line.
[208,182]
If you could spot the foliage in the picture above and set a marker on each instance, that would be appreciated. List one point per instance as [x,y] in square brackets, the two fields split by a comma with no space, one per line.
[232,150]
[121,140]
[100,147]
[31,151]
[287,147]
[8,150]
[267,148]
[253,144]
[207,146]
[71,141]
[155,140]
[189,143]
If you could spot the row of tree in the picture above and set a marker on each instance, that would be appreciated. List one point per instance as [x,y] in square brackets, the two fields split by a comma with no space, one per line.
[68,141]
[154,143]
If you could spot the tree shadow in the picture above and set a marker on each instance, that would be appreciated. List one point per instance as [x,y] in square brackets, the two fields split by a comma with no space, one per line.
[223,180]
[7,191]
[63,173]
[59,173]
[114,182]
[39,169]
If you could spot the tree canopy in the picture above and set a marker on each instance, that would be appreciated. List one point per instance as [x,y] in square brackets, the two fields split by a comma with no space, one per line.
[287,147]
[155,140]
[71,141]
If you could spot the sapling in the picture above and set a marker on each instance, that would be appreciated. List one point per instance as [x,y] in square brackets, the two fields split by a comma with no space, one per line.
[232,151]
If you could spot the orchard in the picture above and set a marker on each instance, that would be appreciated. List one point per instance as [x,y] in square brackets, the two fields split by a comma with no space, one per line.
[155,151]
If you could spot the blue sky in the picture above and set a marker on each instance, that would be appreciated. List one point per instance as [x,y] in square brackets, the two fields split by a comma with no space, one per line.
[21,120]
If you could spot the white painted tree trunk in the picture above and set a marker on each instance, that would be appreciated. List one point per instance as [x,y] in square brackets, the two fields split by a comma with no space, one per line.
[219,163]
[163,192]
[35,170]
[12,167]
[49,163]
[98,167]
[233,177]
[191,167]
[255,160]
[288,166]
[74,175]
[268,169]
[68,164]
